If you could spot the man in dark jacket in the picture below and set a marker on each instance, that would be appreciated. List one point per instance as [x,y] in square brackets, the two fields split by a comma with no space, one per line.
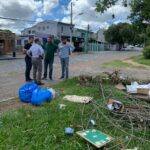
[50,49]
[28,60]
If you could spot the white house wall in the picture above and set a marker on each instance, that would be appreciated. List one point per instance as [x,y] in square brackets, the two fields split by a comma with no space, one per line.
[47,27]
[63,30]
[100,36]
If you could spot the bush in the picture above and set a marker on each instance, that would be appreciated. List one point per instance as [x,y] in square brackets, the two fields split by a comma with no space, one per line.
[146,52]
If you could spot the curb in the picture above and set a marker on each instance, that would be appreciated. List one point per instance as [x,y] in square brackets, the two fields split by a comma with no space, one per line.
[8,99]
[9,58]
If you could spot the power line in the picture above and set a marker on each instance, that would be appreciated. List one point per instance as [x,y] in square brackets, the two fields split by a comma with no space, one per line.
[16,19]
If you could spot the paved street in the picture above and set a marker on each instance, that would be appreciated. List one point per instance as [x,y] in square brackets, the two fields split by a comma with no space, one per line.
[12,71]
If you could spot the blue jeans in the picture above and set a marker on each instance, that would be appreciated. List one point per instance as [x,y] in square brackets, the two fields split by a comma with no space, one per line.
[65,67]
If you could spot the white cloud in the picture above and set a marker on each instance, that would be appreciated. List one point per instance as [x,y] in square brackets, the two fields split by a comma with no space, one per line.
[90,16]
[48,5]
[24,9]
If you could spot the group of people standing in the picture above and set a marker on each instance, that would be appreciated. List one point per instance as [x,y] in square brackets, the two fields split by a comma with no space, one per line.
[36,53]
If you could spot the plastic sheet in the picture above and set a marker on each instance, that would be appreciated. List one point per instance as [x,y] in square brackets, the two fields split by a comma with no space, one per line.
[25,92]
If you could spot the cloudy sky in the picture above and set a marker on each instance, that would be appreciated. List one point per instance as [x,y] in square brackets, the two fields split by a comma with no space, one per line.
[59,10]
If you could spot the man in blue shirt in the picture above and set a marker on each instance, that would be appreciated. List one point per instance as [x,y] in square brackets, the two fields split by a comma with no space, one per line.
[65,49]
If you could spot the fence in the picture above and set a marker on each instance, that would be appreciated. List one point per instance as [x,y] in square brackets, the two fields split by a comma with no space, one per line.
[95,47]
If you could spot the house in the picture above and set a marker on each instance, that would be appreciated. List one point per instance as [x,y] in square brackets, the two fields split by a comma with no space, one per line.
[21,40]
[64,29]
[80,37]
[45,27]
[7,41]
[100,36]
[43,30]
[48,27]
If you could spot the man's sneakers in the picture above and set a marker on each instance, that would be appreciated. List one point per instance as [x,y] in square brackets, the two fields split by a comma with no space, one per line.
[39,83]
[51,78]
[29,80]
[61,77]
[44,78]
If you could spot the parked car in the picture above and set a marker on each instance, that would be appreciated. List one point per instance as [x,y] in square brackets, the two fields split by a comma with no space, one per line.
[131,47]
[128,48]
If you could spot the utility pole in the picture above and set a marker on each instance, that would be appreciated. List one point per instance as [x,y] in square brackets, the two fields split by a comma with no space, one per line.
[71,28]
[88,30]
[86,39]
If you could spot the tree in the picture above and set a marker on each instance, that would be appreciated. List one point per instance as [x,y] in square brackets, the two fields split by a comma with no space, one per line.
[140,9]
[120,34]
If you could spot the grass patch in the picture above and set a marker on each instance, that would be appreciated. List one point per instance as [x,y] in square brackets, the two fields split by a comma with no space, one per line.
[116,64]
[141,60]
[42,128]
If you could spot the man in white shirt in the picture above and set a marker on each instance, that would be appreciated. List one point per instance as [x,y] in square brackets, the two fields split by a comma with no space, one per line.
[37,55]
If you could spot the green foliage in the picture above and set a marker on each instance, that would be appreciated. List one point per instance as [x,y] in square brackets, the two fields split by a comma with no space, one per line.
[42,128]
[5,30]
[140,11]
[117,64]
[103,5]
[146,52]
[139,8]
[141,60]
[120,33]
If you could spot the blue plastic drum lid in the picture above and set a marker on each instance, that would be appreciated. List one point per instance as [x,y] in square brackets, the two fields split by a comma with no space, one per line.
[25,92]
[40,96]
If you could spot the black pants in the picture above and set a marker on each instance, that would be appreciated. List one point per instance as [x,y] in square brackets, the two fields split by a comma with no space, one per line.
[50,64]
[28,68]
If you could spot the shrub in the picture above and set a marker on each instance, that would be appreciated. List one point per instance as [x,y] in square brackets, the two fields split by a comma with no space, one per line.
[146,52]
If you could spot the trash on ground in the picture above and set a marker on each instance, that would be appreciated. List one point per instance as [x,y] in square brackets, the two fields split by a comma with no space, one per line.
[140,115]
[42,95]
[92,122]
[141,97]
[120,86]
[62,106]
[78,99]
[95,137]
[69,130]
[135,88]
[25,92]
[114,105]
[31,93]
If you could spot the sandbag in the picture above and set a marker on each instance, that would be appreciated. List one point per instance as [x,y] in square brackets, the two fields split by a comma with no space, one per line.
[25,92]
[41,95]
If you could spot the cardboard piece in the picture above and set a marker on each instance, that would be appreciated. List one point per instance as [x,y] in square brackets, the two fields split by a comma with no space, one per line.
[120,86]
[135,88]
[95,137]
[78,99]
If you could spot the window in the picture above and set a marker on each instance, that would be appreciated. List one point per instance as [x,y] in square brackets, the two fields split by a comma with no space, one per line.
[43,28]
[29,32]
[18,42]
[2,44]
[62,29]
[33,32]
[39,28]
[25,42]
[47,27]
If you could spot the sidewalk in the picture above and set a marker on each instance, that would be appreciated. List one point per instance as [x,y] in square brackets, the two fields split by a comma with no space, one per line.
[10,57]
